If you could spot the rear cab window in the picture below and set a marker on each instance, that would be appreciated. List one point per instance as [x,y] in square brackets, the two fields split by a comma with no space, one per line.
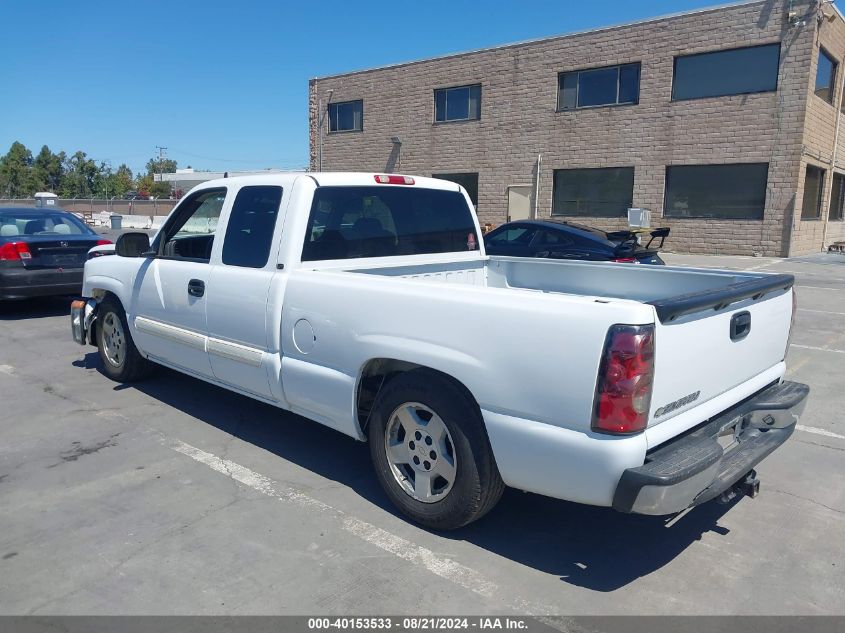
[349,222]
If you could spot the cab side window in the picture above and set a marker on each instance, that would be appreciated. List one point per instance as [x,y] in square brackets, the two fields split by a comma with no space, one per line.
[190,233]
[252,221]
[553,238]
[514,235]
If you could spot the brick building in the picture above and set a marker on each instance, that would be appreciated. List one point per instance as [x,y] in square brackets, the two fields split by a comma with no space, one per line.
[722,122]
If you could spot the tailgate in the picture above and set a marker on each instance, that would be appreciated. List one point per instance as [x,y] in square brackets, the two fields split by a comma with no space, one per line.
[703,354]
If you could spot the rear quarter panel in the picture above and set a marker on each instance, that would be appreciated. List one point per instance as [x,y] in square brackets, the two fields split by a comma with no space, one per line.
[520,352]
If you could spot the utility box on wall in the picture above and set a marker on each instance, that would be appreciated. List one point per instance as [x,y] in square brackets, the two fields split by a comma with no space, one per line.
[639,218]
[45,199]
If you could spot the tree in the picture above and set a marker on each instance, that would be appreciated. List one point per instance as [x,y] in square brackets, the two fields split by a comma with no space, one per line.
[161,166]
[48,169]
[145,184]
[113,184]
[80,178]
[77,176]
[157,166]
[16,177]
[121,181]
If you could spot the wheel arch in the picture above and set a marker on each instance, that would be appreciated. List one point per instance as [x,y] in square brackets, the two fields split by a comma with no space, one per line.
[98,287]
[100,295]
[376,373]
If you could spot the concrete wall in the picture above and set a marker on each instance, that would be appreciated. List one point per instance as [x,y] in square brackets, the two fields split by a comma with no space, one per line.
[519,121]
[123,207]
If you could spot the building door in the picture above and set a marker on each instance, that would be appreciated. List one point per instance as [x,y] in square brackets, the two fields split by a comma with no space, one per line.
[519,202]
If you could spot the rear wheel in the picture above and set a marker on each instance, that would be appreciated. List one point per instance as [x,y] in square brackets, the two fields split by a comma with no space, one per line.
[121,359]
[431,453]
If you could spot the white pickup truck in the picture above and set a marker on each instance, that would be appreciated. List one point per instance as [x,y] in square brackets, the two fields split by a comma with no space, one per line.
[366,302]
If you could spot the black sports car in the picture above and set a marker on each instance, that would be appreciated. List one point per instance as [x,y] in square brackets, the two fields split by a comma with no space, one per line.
[566,240]
[42,252]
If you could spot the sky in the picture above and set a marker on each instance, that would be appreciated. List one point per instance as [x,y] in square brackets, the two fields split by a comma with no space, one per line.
[224,85]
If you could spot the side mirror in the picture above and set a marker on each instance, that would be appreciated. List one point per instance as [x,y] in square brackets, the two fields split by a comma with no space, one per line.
[132,244]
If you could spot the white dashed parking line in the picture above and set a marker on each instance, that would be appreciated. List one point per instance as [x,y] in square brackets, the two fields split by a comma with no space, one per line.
[812,429]
[439,565]
[818,349]
[821,311]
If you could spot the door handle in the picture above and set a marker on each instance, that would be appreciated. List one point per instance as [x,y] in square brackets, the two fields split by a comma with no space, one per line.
[196,287]
[740,325]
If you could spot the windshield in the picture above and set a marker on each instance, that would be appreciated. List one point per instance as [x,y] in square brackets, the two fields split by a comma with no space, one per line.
[15,222]
[380,221]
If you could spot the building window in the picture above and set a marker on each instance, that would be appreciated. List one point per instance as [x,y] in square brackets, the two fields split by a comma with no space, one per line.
[602,193]
[811,206]
[735,192]
[462,103]
[468,181]
[346,116]
[825,76]
[731,72]
[614,85]
[837,198]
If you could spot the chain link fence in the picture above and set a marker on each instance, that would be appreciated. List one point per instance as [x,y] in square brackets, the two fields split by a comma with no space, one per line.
[90,206]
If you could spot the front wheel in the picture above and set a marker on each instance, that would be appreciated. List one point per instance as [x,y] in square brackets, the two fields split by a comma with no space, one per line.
[431,453]
[122,361]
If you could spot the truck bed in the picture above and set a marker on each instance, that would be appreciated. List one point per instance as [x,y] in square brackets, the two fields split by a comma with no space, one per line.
[669,289]
[698,364]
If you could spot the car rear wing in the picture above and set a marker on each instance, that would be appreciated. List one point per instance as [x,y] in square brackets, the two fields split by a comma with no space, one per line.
[631,238]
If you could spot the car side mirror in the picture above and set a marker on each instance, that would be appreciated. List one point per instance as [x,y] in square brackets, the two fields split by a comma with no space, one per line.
[132,245]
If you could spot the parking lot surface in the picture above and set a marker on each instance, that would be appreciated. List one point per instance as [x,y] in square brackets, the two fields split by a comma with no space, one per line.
[176,497]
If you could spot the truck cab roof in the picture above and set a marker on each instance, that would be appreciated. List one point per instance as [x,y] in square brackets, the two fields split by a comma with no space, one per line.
[331,179]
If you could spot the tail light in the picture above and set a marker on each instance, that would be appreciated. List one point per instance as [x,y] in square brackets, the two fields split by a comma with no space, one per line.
[626,260]
[626,376]
[103,242]
[387,179]
[14,251]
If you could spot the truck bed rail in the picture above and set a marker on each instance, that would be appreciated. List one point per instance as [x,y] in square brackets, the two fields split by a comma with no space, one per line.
[671,308]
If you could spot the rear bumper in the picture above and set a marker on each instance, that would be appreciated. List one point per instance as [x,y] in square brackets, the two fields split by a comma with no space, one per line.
[701,465]
[20,283]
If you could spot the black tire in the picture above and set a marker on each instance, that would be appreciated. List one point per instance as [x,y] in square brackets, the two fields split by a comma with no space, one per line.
[132,366]
[477,485]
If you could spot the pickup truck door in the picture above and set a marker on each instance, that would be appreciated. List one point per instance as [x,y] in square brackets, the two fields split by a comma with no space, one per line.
[238,343]
[171,289]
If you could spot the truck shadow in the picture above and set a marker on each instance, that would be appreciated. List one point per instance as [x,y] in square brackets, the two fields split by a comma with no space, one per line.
[41,307]
[595,548]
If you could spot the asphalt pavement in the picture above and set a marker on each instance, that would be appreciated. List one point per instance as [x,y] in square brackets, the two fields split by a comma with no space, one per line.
[176,497]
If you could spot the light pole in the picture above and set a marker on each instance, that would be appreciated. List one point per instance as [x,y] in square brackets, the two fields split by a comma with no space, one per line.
[107,169]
